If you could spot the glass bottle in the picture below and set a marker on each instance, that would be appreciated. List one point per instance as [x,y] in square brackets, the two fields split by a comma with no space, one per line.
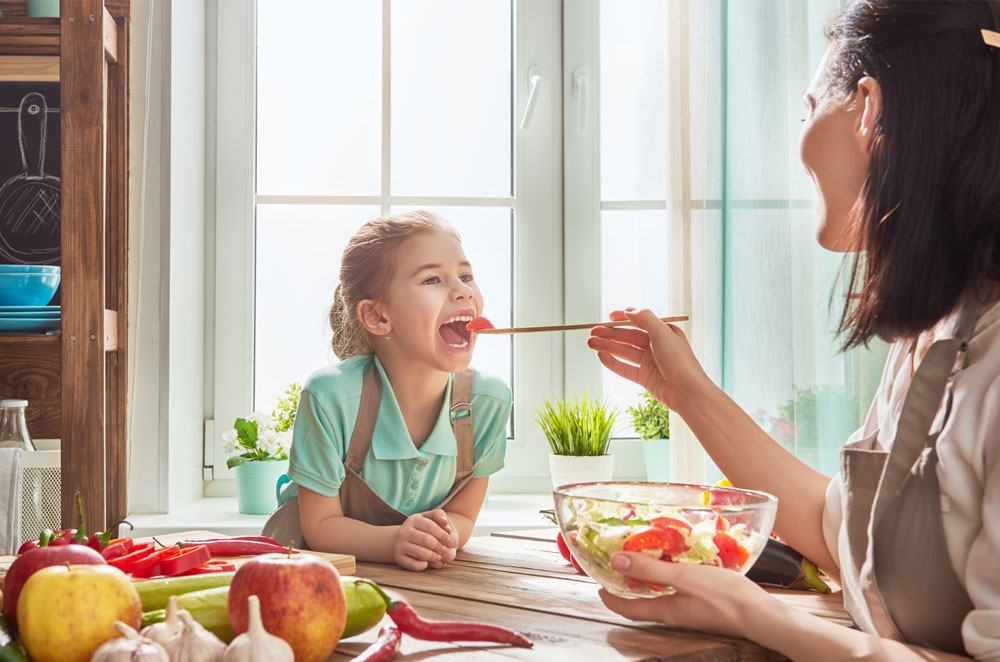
[13,428]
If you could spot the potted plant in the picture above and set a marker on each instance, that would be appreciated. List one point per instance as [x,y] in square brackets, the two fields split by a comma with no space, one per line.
[651,419]
[258,446]
[578,433]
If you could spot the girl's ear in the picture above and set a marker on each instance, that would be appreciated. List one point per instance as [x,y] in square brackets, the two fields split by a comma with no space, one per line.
[868,98]
[372,318]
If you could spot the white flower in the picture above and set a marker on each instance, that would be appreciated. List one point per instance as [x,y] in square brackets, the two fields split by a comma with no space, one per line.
[285,440]
[269,442]
[230,441]
[262,420]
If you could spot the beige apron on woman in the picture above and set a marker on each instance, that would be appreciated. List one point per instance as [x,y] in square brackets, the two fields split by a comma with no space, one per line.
[358,500]
[899,581]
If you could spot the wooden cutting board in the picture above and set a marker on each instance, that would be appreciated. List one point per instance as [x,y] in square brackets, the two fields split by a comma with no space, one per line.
[344,563]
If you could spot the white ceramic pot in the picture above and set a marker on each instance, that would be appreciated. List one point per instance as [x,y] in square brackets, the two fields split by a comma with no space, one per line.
[570,469]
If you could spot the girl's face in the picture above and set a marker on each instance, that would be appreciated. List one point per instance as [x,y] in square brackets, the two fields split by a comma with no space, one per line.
[835,148]
[431,298]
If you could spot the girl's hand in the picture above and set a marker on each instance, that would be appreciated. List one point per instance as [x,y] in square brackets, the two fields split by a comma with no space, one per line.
[708,599]
[440,517]
[421,542]
[656,355]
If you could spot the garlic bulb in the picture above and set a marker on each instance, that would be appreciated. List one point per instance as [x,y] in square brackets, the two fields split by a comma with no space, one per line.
[195,643]
[256,645]
[130,647]
[163,633]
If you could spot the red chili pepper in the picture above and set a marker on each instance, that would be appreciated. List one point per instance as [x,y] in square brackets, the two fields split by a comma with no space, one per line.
[732,554]
[211,567]
[178,560]
[230,547]
[118,547]
[65,538]
[411,623]
[384,648]
[204,541]
[671,523]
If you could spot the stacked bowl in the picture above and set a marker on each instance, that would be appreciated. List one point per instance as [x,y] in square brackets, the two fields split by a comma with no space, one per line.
[25,292]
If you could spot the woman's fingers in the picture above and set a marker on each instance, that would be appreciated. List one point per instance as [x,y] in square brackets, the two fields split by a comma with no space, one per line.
[627,352]
[620,368]
[644,568]
[651,609]
[625,335]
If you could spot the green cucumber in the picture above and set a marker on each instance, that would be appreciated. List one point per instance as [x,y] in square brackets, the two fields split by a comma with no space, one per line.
[612,521]
[365,607]
[155,593]
[10,650]
[209,607]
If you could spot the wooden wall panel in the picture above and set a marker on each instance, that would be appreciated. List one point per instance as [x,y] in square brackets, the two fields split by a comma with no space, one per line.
[30,370]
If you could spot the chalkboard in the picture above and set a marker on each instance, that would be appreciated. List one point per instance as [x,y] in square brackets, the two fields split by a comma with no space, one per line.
[29,173]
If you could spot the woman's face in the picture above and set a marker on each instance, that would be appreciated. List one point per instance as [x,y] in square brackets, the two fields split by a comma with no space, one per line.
[835,147]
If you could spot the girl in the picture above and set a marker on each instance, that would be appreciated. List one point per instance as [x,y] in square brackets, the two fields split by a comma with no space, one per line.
[393,447]
[902,141]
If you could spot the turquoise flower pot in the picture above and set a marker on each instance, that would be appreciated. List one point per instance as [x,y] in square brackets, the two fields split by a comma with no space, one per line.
[255,483]
[656,454]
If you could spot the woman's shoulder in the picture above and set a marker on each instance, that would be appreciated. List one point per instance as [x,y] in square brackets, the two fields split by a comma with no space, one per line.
[490,387]
[338,382]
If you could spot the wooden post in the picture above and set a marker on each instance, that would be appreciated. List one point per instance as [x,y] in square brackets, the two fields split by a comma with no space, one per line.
[83,98]
[117,279]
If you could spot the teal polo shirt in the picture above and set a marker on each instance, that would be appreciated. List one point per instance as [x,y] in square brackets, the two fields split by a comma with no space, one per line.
[408,478]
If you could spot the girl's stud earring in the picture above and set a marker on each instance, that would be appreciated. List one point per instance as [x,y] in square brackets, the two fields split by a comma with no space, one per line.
[385,337]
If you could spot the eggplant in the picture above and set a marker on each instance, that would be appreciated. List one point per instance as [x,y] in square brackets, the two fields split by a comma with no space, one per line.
[780,565]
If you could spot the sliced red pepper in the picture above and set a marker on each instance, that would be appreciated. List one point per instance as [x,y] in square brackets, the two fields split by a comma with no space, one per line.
[732,554]
[671,523]
[210,567]
[178,560]
[135,559]
[479,324]
[118,547]
[721,523]
[637,583]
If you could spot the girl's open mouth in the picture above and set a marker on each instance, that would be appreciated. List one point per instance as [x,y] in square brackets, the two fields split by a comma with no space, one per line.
[454,332]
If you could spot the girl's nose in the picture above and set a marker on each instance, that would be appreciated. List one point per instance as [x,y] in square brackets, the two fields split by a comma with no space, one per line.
[462,290]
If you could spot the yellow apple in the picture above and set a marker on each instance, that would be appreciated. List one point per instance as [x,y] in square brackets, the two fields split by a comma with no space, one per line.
[65,612]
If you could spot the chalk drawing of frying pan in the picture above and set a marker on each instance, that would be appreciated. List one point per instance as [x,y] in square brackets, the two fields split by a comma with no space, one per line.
[29,201]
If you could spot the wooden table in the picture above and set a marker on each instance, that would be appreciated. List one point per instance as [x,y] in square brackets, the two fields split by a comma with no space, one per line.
[518,580]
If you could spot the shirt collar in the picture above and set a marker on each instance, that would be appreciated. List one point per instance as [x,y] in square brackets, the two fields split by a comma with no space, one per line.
[392,440]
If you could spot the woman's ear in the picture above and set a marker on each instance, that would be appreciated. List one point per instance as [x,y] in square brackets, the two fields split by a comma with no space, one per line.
[373,318]
[868,100]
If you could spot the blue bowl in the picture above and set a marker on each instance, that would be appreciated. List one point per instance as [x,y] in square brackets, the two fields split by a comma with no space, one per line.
[29,268]
[27,289]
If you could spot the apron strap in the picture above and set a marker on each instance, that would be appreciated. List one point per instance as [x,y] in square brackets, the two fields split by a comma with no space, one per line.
[364,424]
[923,400]
[461,425]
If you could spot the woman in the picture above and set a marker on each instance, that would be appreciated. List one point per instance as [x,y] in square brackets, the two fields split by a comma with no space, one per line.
[902,142]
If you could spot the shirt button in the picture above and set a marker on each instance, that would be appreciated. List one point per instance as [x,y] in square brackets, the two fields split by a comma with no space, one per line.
[409,502]
[414,485]
[420,467]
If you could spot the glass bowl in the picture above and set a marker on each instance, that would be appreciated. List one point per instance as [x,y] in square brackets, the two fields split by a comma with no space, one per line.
[707,525]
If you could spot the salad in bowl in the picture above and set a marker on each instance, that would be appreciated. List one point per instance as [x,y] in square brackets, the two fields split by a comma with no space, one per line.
[677,523]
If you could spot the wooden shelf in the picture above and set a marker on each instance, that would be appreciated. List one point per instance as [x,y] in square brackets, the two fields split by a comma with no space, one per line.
[23,35]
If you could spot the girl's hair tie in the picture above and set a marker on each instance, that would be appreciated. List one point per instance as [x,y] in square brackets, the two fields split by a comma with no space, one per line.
[991,38]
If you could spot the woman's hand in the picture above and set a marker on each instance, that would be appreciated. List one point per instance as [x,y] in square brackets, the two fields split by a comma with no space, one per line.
[655,355]
[708,599]
[421,542]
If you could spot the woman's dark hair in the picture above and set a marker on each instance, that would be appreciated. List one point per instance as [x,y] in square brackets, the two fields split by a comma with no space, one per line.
[929,213]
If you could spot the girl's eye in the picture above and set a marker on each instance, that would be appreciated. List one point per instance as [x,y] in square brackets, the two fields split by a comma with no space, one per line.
[433,280]
[466,278]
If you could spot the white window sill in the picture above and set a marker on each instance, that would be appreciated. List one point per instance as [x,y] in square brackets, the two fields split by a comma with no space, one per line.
[501,512]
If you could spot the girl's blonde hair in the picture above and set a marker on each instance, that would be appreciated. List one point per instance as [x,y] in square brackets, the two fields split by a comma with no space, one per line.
[365,271]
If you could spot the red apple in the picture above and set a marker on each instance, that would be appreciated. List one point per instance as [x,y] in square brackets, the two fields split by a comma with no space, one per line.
[34,560]
[301,601]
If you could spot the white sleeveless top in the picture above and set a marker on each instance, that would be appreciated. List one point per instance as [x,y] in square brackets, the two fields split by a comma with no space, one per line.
[968,472]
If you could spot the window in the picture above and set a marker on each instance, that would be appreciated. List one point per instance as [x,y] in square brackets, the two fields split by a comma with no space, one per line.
[650,171]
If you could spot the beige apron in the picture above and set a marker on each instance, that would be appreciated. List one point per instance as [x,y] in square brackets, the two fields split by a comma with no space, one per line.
[358,500]
[899,581]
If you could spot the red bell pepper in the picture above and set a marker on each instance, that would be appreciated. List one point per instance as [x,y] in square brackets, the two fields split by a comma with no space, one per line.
[118,547]
[732,554]
[721,523]
[211,567]
[136,559]
[178,560]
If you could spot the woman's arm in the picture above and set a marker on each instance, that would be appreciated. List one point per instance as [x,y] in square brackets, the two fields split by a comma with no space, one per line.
[414,545]
[720,601]
[658,357]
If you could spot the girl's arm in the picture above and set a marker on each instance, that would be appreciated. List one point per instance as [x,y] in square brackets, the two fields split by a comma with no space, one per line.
[414,545]
[463,509]
[658,357]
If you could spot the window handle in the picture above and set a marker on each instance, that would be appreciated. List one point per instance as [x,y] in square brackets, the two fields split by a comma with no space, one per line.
[534,82]
[581,92]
